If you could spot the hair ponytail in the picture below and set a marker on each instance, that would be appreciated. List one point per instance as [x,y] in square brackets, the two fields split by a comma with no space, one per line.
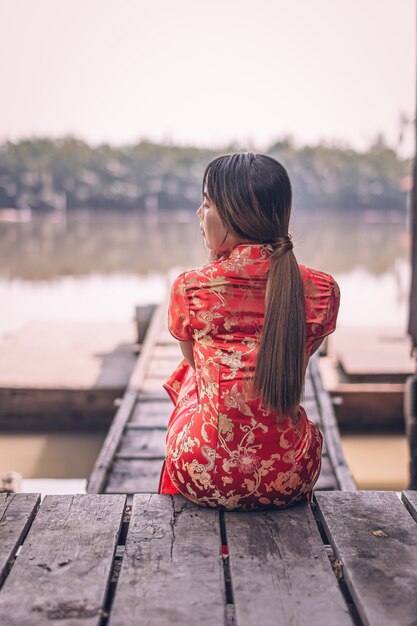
[280,365]
[252,193]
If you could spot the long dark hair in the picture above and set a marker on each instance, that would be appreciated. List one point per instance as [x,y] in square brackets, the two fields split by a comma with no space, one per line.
[253,196]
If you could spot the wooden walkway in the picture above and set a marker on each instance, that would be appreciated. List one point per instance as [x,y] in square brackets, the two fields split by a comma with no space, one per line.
[131,458]
[350,558]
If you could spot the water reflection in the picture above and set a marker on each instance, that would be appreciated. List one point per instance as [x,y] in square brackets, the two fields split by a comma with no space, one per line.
[122,242]
[99,266]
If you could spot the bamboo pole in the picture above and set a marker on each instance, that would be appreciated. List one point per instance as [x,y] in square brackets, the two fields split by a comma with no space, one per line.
[412,319]
[410,391]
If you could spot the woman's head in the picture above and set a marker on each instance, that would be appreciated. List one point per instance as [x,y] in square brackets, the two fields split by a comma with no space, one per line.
[246,198]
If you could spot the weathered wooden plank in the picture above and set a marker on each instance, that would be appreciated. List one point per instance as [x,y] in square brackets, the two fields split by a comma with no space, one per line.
[153,413]
[143,316]
[308,387]
[171,352]
[172,570]
[62,572]
[324,450]
[165,337]
[370,406]
[135,476]
[142,444]
[331,432]
[157,394]
[280,570]
[410,501]
[103,464]
[16,515]
[153,384]
[162,367]
[141,368]
[38,410]
[327,479]
[375,539]
[311,408]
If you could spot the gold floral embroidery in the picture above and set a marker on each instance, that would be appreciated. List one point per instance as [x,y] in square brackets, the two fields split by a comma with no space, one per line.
[226,426]
[234,399]
[233,359]
[224,449]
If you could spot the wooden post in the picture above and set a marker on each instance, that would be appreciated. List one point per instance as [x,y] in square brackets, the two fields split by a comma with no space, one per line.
[410,413]
[412,319]
[410,389]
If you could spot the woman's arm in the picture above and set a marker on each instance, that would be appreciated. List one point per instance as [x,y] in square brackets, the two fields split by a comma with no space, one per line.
[187,350]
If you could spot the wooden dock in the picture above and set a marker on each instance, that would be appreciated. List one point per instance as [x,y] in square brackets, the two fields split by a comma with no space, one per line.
[349,558]
[123,554]
[64,375]
[131,458]
[365,372]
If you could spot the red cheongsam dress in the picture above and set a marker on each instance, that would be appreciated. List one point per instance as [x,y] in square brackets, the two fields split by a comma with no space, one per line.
[223,448]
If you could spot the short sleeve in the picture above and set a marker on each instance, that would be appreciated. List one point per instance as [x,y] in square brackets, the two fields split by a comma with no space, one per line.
[178,311]
[332,309]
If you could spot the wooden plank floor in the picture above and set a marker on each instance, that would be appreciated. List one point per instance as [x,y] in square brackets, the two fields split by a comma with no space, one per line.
[374,537]
[63,569]
[18,513]
[348,558]
[133,452]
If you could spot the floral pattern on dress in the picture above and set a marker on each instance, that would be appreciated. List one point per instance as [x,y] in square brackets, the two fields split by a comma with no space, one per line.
[223,448]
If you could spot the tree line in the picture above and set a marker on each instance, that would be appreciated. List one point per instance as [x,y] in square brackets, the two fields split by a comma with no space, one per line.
[44,173]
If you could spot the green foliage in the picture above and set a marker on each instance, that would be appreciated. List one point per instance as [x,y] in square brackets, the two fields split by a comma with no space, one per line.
[42,172]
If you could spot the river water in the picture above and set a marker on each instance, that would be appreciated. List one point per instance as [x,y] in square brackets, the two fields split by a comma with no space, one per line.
[91,265]
[98,266]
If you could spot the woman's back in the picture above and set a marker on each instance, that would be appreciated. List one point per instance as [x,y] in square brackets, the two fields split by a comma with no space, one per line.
[224,448]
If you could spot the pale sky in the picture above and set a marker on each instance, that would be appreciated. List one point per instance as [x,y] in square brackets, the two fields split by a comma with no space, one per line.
[208,72]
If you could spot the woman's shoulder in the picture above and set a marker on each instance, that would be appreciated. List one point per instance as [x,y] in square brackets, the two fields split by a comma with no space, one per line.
[318,281]
[310,273]
[199,276]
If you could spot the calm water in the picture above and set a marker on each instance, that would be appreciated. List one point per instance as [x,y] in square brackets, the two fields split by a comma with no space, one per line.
[98,266]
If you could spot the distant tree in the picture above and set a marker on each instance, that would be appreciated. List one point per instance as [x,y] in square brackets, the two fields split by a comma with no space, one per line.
[40,170]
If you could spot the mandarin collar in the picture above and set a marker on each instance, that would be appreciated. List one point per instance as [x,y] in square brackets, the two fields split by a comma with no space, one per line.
[251,251]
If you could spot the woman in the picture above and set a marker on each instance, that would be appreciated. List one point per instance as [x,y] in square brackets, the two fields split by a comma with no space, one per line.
[247,323]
